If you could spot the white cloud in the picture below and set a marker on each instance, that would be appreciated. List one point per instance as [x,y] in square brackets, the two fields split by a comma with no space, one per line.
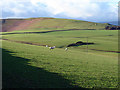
[18,8]
[77,8]
[70,8]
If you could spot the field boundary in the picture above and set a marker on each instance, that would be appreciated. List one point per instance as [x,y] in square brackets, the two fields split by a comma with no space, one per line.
[45,31]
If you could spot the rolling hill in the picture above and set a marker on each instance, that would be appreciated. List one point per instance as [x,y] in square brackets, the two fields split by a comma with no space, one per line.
[90,61]
[48,23]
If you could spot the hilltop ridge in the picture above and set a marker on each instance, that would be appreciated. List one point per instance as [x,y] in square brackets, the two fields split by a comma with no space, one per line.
[49,23]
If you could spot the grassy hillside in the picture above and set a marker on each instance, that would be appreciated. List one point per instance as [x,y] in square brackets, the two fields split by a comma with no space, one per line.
[28,63]
[37,66]
[82,69]
[48,23]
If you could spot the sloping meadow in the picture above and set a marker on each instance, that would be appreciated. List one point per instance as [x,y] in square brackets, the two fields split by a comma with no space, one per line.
[79,66]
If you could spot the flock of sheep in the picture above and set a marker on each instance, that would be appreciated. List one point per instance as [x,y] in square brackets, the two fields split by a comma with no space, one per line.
[54,48]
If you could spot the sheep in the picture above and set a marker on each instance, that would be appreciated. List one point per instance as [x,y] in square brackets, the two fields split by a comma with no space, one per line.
[66,49]
[51,47]
[46,45]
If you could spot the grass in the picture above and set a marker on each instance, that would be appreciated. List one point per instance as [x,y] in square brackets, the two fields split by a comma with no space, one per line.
[50,23]
[19,74]
[103,39]
[40,67]
[66,24]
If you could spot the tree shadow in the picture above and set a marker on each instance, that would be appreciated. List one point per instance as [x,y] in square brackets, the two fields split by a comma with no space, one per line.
[17,73]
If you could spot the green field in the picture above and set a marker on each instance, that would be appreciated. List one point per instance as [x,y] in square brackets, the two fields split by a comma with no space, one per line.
[34,66]
[103,39]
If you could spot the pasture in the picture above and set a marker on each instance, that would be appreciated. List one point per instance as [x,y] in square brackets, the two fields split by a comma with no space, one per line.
[83,66]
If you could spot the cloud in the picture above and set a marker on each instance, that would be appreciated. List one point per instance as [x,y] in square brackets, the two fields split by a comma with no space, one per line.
[70,8]
[96,10]
[84,9]
[22,9]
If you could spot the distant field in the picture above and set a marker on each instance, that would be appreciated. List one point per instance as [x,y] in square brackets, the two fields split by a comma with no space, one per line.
[103,39]
[80,66]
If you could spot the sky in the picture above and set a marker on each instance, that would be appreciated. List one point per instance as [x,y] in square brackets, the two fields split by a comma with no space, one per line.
[88,10]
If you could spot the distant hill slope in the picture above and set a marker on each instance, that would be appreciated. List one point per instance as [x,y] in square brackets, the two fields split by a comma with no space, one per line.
[112,22]
[48,23]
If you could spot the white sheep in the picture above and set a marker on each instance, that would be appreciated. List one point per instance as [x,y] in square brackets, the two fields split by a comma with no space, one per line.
[46,45]
[66,49]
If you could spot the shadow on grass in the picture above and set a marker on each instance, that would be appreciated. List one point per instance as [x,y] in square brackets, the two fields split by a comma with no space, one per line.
[43,31]
[18,74]
[80,43]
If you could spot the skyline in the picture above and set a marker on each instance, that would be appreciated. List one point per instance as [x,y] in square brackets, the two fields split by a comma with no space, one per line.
[87,10]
